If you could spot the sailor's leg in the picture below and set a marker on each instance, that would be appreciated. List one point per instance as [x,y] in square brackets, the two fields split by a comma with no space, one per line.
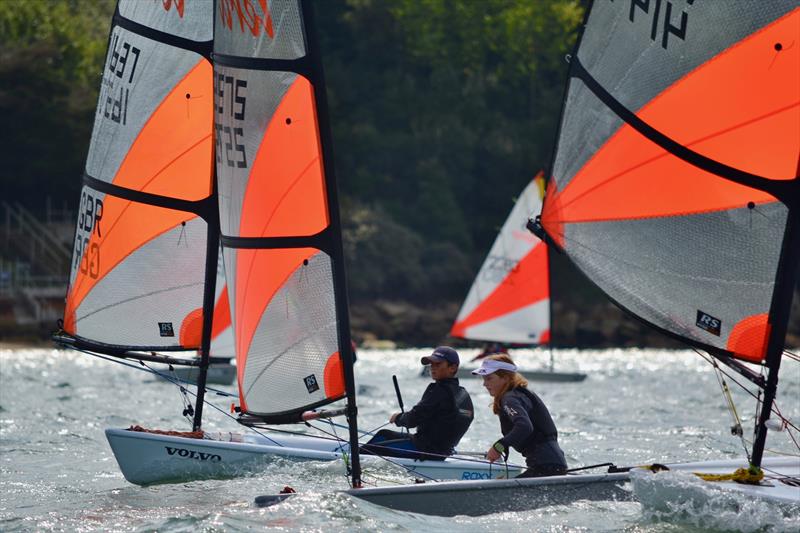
[544,470]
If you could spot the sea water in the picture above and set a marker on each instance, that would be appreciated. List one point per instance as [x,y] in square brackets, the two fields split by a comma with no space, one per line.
[57,472]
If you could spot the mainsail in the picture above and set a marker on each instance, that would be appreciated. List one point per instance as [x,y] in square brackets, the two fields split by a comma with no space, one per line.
[689,239]
[509,301]
[674,185]
[278,213]
[139,270]
[222,344]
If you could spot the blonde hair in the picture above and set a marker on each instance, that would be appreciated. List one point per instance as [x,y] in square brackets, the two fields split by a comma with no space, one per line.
[512,380]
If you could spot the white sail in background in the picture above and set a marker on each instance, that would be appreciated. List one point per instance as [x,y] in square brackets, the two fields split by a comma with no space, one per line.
[509,301]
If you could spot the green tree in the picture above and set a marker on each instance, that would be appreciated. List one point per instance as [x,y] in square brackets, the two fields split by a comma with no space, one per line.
[51,55]
[442,111]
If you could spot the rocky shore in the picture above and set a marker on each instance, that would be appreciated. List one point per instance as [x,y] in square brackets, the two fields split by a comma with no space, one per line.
[598,325]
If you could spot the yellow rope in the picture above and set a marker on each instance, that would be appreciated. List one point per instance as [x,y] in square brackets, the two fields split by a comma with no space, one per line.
[750,476]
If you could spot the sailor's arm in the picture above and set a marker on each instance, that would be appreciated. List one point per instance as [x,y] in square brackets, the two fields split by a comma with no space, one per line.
[522,427]
[427,408]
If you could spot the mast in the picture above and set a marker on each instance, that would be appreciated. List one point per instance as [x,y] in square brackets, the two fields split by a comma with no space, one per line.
[779,319]
[211,215]
[336,250]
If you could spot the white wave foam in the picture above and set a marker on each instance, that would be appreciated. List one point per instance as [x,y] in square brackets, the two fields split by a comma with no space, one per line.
[685,498]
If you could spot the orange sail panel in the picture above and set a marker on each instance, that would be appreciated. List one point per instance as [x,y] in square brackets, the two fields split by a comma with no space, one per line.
[509,301]
[174,146]
[286,190]
[691,252]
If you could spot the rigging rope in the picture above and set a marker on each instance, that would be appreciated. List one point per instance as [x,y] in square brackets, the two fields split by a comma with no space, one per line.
[746,390]
[175,381]
[736,429]
[749,476]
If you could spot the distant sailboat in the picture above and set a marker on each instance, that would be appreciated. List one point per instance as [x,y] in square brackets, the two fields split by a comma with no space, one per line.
[509,301]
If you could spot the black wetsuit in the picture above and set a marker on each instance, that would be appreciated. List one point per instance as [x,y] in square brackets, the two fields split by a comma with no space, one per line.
[441,417]
[527,427]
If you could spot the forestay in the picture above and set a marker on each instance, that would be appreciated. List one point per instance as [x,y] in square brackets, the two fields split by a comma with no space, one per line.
[676,151]
[278,229]
[138,274]
[509,301]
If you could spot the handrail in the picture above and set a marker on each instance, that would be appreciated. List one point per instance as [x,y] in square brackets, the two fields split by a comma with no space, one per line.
[58,246]
[58,254]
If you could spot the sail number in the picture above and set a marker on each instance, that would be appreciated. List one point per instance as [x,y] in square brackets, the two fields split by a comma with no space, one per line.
[497,268]
[230,91]
[121,68]
[87,253]
[677,29]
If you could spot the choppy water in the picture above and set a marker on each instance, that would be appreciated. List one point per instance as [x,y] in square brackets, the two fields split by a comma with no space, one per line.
[57,472]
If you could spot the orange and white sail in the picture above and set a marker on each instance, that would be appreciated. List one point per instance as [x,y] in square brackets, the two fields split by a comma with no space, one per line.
[222,344]
[138,272]
[279,242]
[509,301]
[677,161]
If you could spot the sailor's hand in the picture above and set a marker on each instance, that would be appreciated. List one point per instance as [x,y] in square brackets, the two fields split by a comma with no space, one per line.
[497,451]
[393,417]
[492,455]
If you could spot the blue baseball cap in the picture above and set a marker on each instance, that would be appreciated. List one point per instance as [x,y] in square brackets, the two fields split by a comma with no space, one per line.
[442,353]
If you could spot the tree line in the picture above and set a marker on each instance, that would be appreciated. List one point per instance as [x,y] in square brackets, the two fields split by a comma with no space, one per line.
[441,110]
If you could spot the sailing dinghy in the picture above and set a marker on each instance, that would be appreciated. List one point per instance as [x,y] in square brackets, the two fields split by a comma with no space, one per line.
[187,155]
[509,301]
[675,189]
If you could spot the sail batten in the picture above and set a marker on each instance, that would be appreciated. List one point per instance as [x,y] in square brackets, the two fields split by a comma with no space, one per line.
[676,165]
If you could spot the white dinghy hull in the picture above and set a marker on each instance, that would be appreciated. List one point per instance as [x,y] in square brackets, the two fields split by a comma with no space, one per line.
[661,490]
[476,498]
[150,458]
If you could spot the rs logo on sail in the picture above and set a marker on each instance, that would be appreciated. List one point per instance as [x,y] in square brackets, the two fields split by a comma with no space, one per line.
[191,454]
[709,323]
